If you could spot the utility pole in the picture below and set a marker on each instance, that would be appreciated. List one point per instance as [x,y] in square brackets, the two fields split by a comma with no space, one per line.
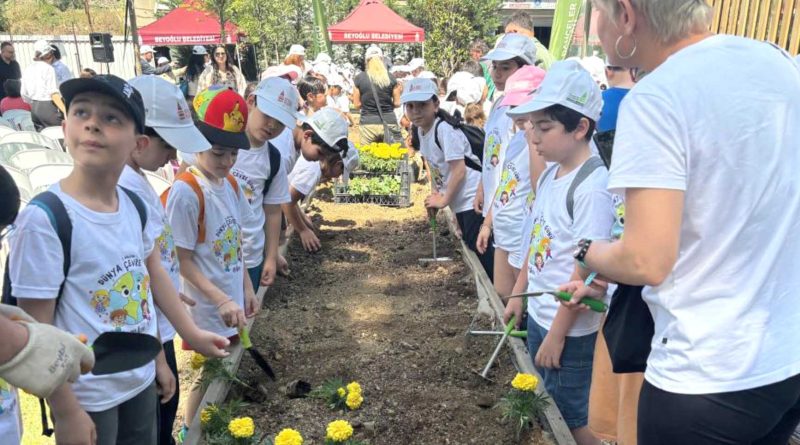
[137,66]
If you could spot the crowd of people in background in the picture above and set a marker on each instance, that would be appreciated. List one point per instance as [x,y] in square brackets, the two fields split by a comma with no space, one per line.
[516,144]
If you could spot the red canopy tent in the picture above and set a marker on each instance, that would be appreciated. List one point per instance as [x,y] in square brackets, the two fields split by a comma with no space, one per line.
[372,21]
[187,25]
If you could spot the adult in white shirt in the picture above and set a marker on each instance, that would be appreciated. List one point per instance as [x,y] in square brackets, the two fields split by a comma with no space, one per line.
[40,88]
[709,174]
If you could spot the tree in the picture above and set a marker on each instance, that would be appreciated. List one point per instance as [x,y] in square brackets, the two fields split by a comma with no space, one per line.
[220,8]
[450,27]
[273,25]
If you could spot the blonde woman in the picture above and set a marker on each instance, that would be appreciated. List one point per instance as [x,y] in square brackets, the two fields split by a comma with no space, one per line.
[376,78]
[708,171]
[221,72]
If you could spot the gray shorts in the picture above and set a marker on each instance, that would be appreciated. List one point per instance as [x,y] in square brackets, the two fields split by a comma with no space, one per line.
[130,423]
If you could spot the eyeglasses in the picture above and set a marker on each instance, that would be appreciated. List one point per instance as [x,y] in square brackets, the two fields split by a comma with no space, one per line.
[7,231]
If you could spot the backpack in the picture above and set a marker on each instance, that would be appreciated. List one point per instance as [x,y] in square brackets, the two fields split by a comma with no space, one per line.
[475,136]
[191,180]
[586,170]
[57,213]
[275,160]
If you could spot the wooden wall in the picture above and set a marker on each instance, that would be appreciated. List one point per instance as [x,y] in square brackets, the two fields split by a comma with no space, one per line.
[777,21]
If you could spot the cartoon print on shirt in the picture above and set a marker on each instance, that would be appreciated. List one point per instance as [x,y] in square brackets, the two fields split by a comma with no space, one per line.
[228,245]
[6,395]
[124,297]
[529,202]
[246,185]
[539,250]
[166,248]
[619,216]
[492,151]
[507,189]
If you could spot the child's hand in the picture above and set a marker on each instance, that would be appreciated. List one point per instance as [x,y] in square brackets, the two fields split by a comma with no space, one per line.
[75,427]
[165,379]
[310,241]
[477,203]
[549,354]
[209,344]
[513,307]
[482,243]
[267,274]
[579,291]
[232,315]
[435,201]
[251,307]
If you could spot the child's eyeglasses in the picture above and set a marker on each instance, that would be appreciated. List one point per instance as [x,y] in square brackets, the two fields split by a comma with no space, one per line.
[7,231]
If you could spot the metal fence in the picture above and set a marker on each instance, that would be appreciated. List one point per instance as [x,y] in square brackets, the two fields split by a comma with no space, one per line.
[777,21]
[76,52]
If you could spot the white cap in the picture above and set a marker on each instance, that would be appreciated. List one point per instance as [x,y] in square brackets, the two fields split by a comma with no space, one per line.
[797,59]
[167,112]
[335,80]
[513,45]
[323,68]
[144,49]
[568,84]
[397,68]
[457,81]
[415,63]
[329,125]
[470,93]
[42,47]
[199,50]
[292,71]
[426,75]
[373,51]
[351,158]
[418,90]
[596,67]
[322,58]
[277,98]
[162,60]
[297,50]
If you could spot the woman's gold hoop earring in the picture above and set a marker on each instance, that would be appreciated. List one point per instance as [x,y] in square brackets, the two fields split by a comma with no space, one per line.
[616,49]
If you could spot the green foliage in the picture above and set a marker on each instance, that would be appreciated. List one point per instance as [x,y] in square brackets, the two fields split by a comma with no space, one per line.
[372,164]
[521,408]
[273,25]
[219,417]
[217,368]
[450,27]
[329,392]
[381,185]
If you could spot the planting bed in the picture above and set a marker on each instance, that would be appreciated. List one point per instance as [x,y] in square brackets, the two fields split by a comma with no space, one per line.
[363,309]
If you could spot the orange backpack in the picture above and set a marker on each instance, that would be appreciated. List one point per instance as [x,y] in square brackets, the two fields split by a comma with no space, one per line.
[191,180]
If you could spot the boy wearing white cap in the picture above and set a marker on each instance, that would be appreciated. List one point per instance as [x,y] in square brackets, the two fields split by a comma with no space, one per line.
[571,204]
[262,175]
[512,52]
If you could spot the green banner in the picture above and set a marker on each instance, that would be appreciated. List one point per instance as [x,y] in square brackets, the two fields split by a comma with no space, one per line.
[564,21]
[321,41]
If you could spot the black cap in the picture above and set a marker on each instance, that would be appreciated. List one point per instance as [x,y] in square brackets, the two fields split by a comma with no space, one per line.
[110,85]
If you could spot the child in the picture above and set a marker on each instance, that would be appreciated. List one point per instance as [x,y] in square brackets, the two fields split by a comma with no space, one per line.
[270,109]
[109,274]
[453,183]
[303,180]
[511,53]
[210,250]
[13,101]
[168,126]
[337,98]
[510,205]
[571,204]
[313,92]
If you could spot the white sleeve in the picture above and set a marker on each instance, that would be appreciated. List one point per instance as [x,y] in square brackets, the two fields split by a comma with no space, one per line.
[593,210]
[50,81]
[454,143]
[36,261]
[648,150]
[306,177]
[278,192]
[183,209]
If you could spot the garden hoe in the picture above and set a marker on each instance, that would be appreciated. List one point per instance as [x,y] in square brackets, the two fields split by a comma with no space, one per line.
[505,334]
[435,258]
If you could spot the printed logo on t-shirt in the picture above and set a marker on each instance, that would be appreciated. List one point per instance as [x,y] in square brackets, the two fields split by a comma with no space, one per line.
[247,186]
[7,399]
[619,216]
[123,297]
[228,245]
[438,180]
[491,154]
[507,189]
[166,247]
[539,251]
[529,203]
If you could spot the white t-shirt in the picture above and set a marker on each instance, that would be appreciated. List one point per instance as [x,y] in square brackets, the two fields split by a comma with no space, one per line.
[219,257]
[454,147]
[499,131]
[284,142]
[251,170]
[162,233]
[305,176]
[38,82]
[551,238]
[9,414]
[107,288]
[726,318]
[511,198]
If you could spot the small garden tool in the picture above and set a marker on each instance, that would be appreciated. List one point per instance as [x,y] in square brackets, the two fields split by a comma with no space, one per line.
[122,351]
[505,335]
[244,336]
[434,230]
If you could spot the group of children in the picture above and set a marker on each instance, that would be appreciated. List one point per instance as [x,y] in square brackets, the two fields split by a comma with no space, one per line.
[139,259]
[539,196]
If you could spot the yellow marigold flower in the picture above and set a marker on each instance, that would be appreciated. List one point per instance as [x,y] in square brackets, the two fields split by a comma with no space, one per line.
[354,387]
[242,427]
[354,400]
[197,361]
[288,436]
[341,392]
[525,382]
[339,431]
[206,413]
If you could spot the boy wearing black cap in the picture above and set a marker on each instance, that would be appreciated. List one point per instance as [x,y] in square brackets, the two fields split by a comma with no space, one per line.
[107,287]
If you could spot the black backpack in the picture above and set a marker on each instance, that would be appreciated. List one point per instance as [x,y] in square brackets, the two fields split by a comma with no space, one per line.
[475,136]
[274,165]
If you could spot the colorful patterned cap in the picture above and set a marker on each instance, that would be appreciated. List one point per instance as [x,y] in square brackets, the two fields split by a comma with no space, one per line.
[222,117]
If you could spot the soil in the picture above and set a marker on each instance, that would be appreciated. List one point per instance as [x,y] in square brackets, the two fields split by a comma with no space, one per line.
[363,309]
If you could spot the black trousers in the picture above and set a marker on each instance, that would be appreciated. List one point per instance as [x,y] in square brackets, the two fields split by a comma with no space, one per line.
[470,224]
[760,416]
[168,411]
[45,114]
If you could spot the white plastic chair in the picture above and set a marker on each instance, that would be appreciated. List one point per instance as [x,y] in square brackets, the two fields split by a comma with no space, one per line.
[20,119]
[6,130]
[20,178]
[157,181]
[31,137]
[8,149]
[46,175]
[29,159]
[54,133]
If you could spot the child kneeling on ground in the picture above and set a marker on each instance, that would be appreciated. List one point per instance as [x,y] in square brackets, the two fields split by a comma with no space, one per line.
[572,203]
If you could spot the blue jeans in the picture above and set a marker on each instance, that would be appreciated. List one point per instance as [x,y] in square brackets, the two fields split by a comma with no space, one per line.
[255,275]
[569,385]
